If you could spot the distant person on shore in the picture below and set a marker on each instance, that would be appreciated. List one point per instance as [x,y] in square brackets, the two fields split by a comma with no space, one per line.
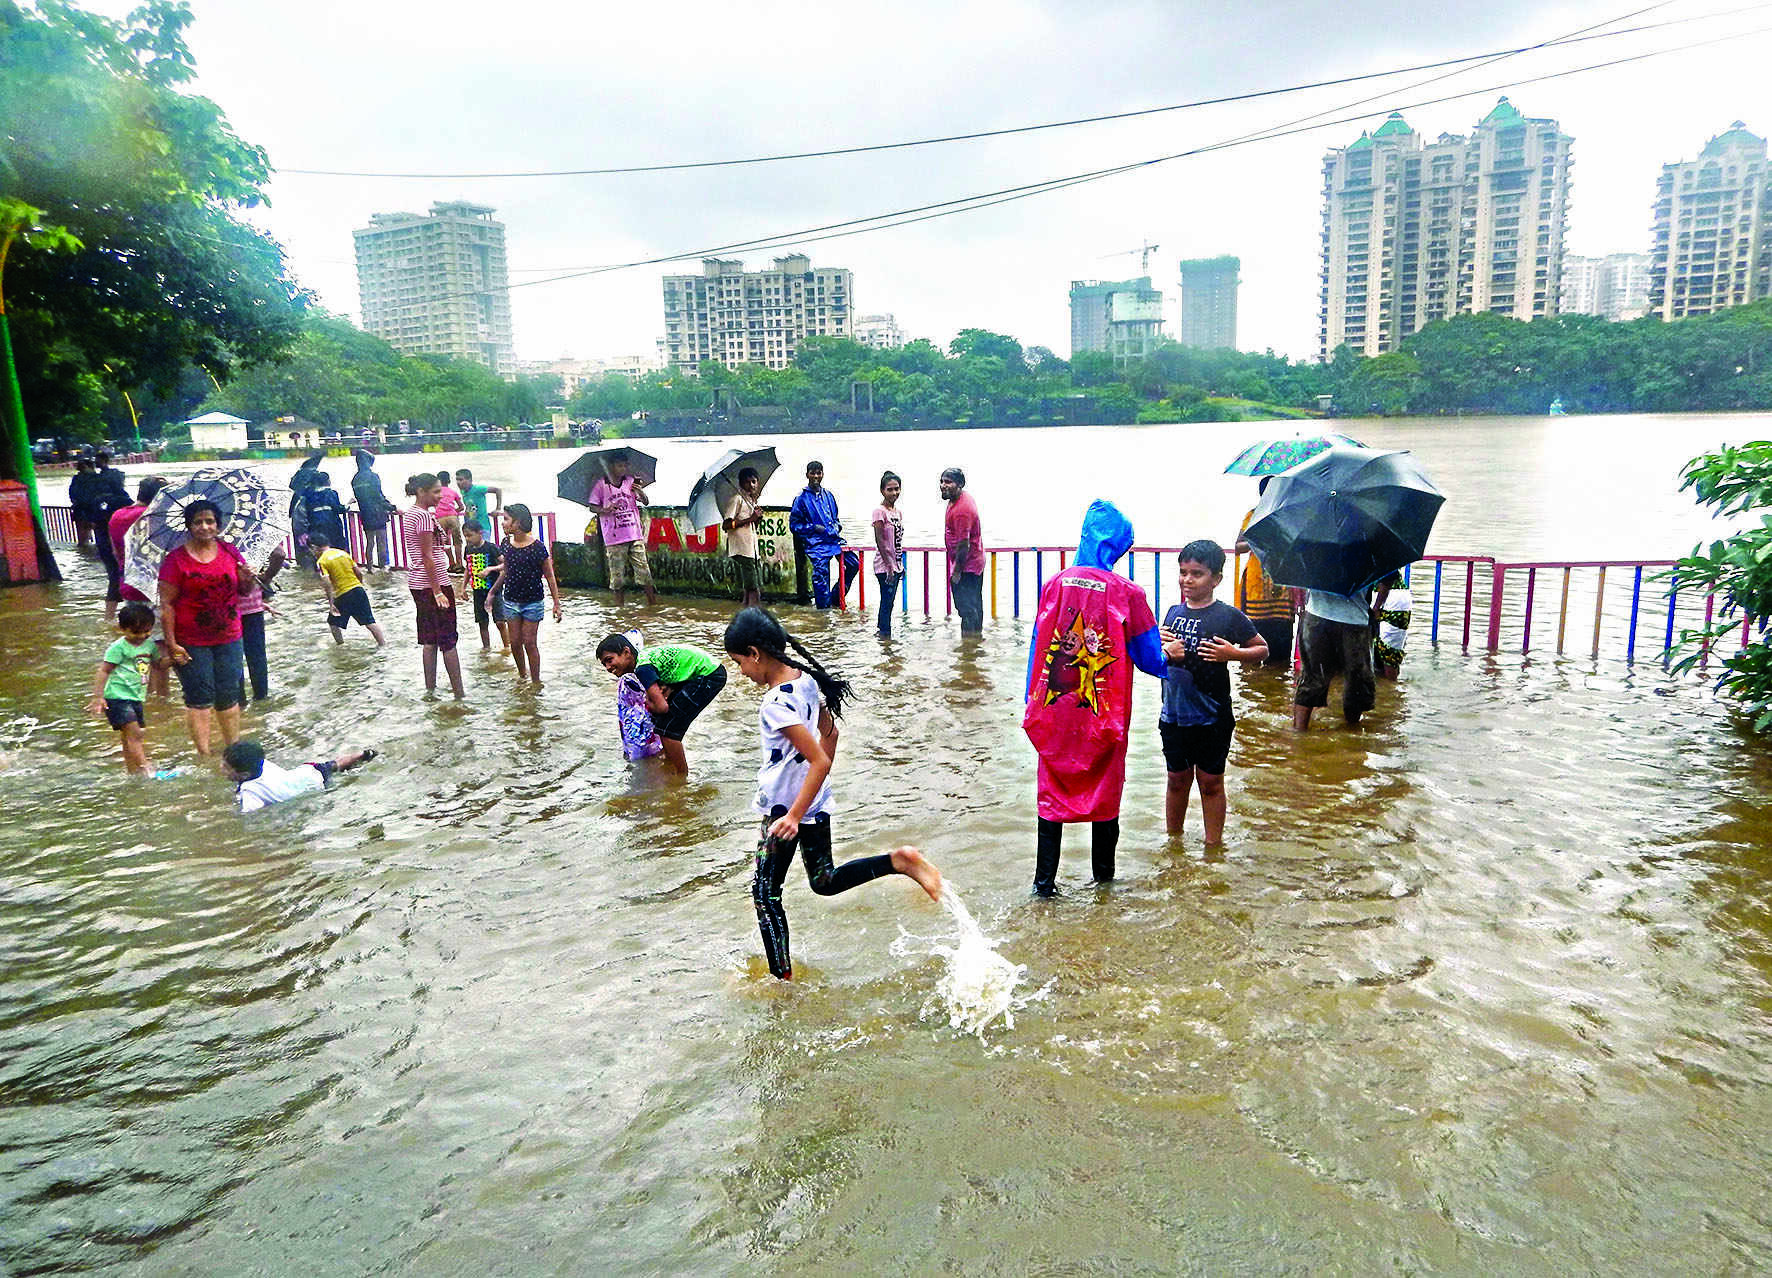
[1091,629]
[119,691]
[1334,638]
[82,489]
[1262,599]
[1391,609]
[617,499]
[449,516]
[680,682]
[818,533]
[740,522]
[201,583]
[160,679]
[965,545]
[798,720]
[523,566]
[258,782]
[346,598]
[888,549]
[433,599]
[473,497]
[109,496]
[479,557]
[1200,635]
[326,513]
[374,511]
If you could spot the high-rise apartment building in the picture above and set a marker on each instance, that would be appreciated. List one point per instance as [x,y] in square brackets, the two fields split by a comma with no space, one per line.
[879,332]
[438,284]
[1123,318]
[737,316]
[1417,231]
[1711,246]
[1614,287]
[1209,302]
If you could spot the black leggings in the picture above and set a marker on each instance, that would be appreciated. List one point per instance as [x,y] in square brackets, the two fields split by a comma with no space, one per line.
[252,641]
[1104,838]
[774,856]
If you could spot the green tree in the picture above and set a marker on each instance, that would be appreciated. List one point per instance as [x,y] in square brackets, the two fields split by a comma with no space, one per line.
[1734,481]
[96,132]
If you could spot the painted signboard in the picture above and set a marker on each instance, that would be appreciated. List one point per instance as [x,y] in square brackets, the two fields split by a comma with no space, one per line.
[685,559]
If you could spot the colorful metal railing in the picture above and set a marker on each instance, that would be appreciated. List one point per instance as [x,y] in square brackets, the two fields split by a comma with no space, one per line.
[1499,604]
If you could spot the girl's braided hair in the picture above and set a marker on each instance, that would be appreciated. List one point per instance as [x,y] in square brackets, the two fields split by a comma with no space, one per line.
[757,628]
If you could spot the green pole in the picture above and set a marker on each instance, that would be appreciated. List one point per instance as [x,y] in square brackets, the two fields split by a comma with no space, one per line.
[15,457]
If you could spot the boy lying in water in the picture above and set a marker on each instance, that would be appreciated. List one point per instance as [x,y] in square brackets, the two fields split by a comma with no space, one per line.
[258,782]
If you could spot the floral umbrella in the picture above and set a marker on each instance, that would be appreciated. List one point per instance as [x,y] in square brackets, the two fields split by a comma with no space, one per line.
[1271,456]
[253,521]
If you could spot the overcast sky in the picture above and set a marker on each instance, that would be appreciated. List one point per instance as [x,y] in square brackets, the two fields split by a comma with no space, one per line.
[451,86]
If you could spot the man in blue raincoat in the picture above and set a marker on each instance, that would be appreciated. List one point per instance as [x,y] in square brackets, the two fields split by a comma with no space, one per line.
[819,535]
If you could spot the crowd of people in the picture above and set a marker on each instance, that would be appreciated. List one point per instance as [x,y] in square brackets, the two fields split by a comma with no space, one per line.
[1093,629]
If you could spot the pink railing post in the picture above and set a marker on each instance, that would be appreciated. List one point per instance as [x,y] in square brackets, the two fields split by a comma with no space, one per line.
[861,581]
[1498,587]
[1710,608]
[842,584]
[1470,587]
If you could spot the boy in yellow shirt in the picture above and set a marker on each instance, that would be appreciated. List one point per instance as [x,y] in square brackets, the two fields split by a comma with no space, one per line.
[346,598]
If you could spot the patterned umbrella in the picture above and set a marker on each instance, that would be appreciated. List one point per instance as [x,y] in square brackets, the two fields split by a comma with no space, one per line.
[1271,456]
[252,520]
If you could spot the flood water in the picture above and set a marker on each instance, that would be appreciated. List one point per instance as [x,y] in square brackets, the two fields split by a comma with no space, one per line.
[1485,986]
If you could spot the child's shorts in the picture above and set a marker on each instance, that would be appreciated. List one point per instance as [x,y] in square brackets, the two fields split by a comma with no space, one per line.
[745,574]
[351,606]
[522,611]
[1206,746]
[687,700]
[481,616]
[628,559]
[120,714]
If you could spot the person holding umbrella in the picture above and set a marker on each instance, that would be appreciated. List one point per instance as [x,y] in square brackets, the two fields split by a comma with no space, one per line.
[740,523]
[200,587]
[617,498]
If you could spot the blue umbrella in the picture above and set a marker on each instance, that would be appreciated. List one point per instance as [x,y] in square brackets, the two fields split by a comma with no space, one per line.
[1271,456]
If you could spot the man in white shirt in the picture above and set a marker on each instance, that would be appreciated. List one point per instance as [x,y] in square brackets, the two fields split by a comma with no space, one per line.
[1334,638]
[258,782]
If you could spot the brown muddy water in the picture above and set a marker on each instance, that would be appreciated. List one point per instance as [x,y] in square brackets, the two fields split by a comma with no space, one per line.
[1485,986]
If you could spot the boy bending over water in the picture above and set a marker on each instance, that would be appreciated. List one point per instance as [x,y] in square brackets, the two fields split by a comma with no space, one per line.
[680,683]
[799,727]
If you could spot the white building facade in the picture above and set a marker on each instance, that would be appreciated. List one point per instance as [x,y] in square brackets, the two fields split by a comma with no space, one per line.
[879,332]
[1711,243]
[438,284]
[1614,287]
[1415,231]
[737,316]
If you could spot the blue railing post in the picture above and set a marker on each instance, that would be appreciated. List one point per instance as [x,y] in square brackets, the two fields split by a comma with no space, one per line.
[904,585]
[1018,583]
[1636,601]
[1434,626]
[1157,583]
[1039,573]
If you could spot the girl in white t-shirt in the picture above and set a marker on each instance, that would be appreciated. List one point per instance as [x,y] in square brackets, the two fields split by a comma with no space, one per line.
[799,726]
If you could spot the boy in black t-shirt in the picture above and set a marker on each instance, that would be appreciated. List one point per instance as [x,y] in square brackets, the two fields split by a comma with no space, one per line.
[478,558]
[1200,636]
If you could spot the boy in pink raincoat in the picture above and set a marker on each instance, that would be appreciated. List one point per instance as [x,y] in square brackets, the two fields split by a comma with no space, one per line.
[1092,627]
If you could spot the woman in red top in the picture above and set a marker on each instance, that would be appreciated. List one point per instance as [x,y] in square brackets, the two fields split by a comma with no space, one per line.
[200,587]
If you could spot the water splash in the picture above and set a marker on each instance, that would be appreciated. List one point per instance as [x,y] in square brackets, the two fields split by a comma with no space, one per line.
[978,984]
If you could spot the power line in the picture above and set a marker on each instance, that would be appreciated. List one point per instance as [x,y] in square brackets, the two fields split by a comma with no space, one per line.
[1579,37]
[1005,195]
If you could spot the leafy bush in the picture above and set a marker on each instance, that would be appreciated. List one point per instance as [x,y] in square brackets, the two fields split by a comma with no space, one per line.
[1738,569]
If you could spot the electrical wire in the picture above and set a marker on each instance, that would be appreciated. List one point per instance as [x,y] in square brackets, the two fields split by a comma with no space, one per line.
[1468,62]
[1005,195]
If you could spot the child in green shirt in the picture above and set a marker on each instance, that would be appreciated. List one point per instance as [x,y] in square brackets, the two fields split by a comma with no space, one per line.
[120,688]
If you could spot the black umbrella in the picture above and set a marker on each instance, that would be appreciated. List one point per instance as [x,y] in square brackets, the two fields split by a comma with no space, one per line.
[1344,519]
[714,491]
[574,483]
[250,518]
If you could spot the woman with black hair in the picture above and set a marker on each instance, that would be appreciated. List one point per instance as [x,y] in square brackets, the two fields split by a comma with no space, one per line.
[799,727]
[200,587]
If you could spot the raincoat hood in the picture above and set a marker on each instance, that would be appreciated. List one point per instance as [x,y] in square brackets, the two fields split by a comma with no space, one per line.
[365,458]
[1107,535]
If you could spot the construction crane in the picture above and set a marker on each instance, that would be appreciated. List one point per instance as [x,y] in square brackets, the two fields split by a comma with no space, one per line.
[1144,256]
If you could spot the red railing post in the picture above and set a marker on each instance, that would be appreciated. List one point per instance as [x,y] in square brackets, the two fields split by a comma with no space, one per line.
[1497,588]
